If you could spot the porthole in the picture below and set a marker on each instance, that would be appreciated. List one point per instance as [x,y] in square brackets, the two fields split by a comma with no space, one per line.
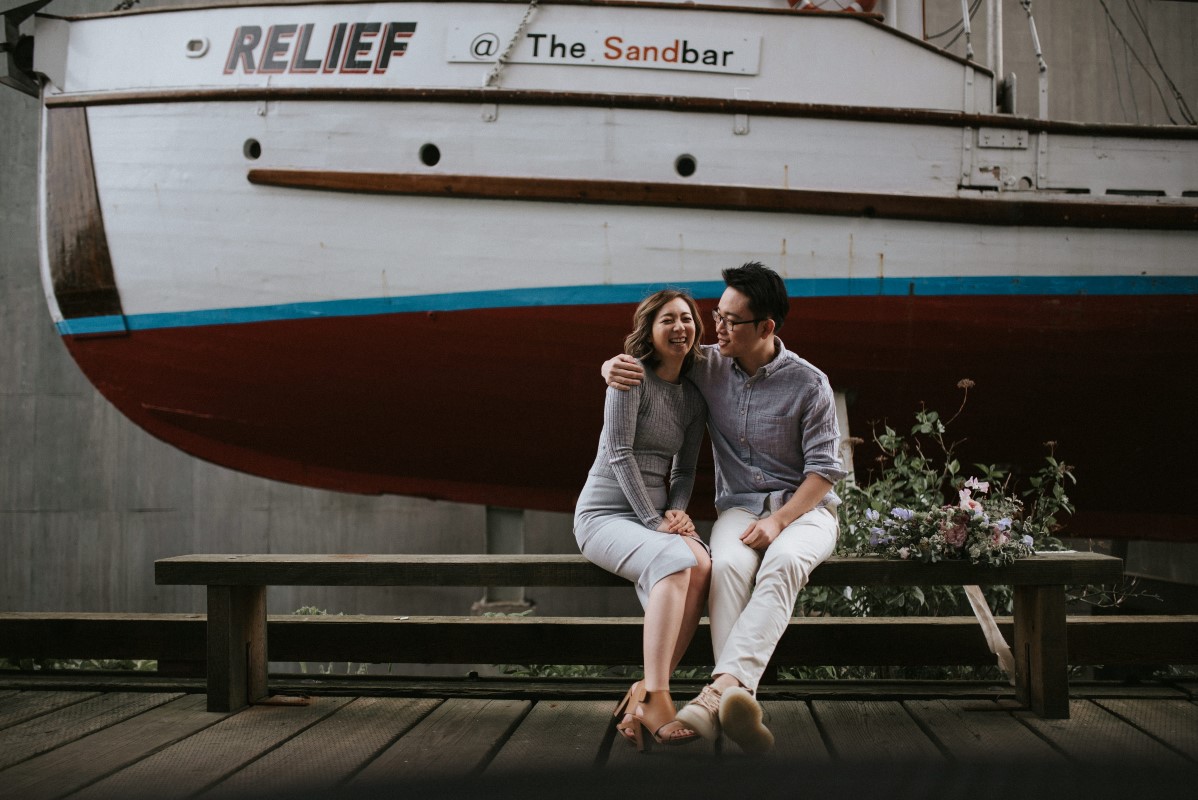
[252,149]
[430,155]
[197,48]
[685,165]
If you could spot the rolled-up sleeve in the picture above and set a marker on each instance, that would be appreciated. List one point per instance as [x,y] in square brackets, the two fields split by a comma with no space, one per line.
[820,440]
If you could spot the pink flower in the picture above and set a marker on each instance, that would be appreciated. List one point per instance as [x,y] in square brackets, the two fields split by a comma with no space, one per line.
[1000,536]
[969,504]
[956,534]
[904,552]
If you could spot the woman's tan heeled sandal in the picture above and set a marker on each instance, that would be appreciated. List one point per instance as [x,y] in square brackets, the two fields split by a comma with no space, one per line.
[656,715]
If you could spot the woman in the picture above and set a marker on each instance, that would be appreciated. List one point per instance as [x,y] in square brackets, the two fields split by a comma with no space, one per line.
[631,516]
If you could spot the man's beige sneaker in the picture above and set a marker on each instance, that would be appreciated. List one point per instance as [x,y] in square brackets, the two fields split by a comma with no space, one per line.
[702,715]
[740,717]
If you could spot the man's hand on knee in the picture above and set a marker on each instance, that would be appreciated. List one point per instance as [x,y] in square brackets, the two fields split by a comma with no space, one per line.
[762,533]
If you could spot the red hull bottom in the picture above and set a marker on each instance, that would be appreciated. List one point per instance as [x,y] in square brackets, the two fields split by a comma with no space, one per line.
[504,406]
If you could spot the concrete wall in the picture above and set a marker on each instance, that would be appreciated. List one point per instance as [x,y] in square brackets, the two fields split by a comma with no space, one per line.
[88,501]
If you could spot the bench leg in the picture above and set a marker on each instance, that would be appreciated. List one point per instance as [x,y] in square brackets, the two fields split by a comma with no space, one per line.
[236,646]
[1041,656]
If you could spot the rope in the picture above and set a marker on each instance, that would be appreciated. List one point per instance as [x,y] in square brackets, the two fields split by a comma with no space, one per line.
[493,75]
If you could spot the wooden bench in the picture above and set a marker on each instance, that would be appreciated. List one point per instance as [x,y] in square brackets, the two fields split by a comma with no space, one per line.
[237,619]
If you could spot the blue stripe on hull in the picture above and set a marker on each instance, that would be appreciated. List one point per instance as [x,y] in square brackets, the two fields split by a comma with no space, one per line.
[948,286]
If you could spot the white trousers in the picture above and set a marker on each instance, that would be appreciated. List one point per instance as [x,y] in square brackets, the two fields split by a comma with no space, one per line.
[753,593]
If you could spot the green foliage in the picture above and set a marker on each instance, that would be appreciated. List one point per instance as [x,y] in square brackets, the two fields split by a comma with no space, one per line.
[327,669]
[920,472]
[79,664]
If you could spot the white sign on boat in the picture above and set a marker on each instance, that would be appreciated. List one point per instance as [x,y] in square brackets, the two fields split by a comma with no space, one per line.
[586,46]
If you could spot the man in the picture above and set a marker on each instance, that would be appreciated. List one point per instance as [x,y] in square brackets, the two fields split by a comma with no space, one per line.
[772,421]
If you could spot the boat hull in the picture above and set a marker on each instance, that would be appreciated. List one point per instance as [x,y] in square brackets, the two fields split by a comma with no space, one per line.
[503,406]
[403,279]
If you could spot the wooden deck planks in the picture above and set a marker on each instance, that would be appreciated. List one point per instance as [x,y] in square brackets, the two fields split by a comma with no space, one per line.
[797,737]
[18,708]
[330,752]
[84,761]
[1173,722]
[72,722]
[877,732]
[1094,735]
[979,731]
[168,746]
[188,767]
[458,738]
[556,734]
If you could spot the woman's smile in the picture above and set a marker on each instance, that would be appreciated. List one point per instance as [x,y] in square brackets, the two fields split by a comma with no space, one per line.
[673,330]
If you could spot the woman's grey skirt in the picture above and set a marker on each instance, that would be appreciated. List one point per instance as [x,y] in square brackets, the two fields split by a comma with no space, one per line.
[611,535]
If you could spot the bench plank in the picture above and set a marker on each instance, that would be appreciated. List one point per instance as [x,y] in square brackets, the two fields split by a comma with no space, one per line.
[364,569]
[810,641]
[237,617]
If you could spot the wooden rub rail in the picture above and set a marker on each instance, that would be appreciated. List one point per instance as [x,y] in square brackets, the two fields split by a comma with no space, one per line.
[237,621]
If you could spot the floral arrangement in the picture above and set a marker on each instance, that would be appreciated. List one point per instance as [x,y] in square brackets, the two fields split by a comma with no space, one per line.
[916,505]
[982,528]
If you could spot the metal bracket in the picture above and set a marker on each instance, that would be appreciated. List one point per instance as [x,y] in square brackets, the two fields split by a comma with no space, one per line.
[16,66]
[740,122]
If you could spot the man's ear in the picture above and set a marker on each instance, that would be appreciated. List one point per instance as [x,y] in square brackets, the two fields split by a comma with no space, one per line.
[767,328]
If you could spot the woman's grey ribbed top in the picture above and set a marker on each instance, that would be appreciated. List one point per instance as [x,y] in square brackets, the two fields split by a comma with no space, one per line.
[651,432]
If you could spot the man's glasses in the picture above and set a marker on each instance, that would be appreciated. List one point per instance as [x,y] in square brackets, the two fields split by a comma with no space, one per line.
[731,324]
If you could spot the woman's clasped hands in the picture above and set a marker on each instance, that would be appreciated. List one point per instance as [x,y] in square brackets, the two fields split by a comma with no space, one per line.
[678,522]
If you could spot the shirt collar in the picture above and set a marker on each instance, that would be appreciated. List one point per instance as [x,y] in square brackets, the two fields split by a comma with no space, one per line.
[773,365]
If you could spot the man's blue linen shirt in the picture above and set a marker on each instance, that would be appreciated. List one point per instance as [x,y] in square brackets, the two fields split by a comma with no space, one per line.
[768,430]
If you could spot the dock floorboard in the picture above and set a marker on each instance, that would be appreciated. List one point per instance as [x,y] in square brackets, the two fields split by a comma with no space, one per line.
[531,741]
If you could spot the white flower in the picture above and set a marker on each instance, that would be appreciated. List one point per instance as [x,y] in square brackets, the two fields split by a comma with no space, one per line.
[980,486]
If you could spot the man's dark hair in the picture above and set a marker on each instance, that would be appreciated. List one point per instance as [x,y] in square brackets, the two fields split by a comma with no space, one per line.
[763,287]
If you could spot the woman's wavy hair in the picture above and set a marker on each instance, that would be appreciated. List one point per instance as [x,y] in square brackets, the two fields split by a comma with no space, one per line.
[639,343]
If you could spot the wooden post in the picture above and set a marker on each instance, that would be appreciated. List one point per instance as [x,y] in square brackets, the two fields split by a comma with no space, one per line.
[505,536]
[1041,651]
[236,646]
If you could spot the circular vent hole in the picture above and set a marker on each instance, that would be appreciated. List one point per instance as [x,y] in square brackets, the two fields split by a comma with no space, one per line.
[252,149]
[685,165]
[430,155]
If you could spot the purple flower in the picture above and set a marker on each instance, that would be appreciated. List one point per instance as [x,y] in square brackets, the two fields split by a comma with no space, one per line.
[1028,541]
[1004,524]
[904,514]
[872,515]
[878,536]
